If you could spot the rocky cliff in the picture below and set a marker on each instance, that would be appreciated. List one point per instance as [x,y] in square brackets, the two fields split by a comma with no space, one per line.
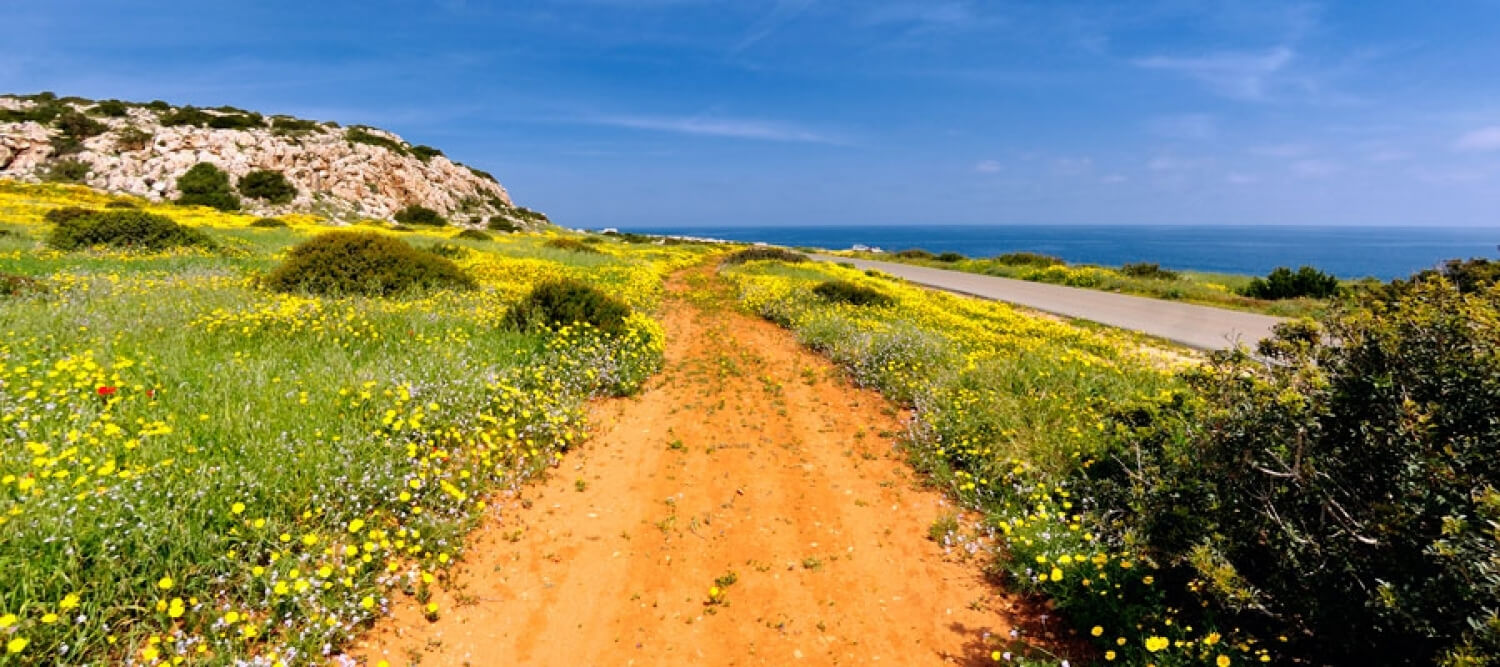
[141,149]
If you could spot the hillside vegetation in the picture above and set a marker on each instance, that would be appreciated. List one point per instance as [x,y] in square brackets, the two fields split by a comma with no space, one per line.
[197,466]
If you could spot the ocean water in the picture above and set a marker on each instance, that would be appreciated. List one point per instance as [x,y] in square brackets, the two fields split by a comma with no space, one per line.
[1348,252]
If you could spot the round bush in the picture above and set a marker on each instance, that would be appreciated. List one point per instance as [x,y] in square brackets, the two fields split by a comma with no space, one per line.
[420,215]
[843,291]
[1283,283]
[764,253]
[447,250]
[121,203]
[572,245]
[268,223]
[207,185]
[474,235]
[124,229]
[559,303]
[501,223]
[368,263]
[267,185]
[59,215]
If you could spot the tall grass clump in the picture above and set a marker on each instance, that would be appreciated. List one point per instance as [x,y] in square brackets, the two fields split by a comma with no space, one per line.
[368,263]
[764,254]
[572,245]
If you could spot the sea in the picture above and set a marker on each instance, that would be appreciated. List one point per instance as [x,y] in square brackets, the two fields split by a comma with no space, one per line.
[1347,252]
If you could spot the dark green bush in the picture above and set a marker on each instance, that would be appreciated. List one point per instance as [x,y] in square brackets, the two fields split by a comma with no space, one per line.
[289,125]
[367,263]
[58,215]
[268,223]
[1471,275]
[110,109]
[136,230]
[501,223]
[360,135]
[44,112]
[63,144]
[1283,283]
[79,126]
[560,303]
[572,245]
[207,185]
[1346,495]
[186,116]
[270,186]
[447,250]
[158,105]
[425,153]
[1149,270]
[132,139]
[843,291]
[760,253]
[121,203]
[1027,259]
[530,215]
[914,253]
[401,228]
[951,257]
[474,235]
[420,215]
[236,121]
[481,174]
[66,171]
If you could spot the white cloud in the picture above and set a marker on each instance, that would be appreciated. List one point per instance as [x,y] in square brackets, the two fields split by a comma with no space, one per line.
[1072,166]
[1240,179]
[1315,168]
[734,128]
[1482,139]
[1113,178]
[1280,150]
[1244,76]
[987,166]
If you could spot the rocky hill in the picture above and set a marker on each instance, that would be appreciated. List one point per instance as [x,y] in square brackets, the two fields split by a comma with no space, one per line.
[142,149]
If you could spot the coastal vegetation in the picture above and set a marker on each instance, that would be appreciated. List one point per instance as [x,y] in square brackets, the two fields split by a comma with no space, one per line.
[1336,505]
[199,468]
[1141,279]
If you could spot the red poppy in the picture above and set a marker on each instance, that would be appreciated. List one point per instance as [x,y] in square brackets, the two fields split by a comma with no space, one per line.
[108,391]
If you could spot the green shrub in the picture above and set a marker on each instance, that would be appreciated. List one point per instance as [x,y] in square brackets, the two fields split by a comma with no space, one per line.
[289,125]
[79,126]
[843,291]
[121,203]
[1283,283]
[481,174]
[158,105]
[447,250]
[63,144]
[420,215]
[474,235]
[1471,275]
[401,228]
[268,223]
[267,185]
[132,139]
[1346,495]
[501,223]
[915,253]
[44,112]
[135,230]
[110,109]
[360,135]
[66,171]
[764,253]
[207,185]
[530,215]
[951,257]
[560,303]
[425,153]
[186,116]
[1027,259]
[236,121]
[66,213]
[571,245]
[14,285]
[1149,270]
[367,263]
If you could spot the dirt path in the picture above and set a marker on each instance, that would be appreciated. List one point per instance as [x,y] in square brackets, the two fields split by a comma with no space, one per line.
[747,455]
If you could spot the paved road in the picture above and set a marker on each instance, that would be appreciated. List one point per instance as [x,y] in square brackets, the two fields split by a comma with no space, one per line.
[1202,327]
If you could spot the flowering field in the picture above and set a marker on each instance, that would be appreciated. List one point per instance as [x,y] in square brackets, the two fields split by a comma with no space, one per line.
[194,469]
[1009,409]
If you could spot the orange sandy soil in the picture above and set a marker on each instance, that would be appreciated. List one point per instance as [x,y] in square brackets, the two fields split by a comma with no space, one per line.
[749,455]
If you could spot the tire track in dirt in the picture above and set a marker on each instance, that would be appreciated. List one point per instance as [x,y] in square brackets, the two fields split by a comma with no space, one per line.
[748,455]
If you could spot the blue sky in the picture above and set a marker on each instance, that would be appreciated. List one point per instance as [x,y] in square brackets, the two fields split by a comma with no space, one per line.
[754,112]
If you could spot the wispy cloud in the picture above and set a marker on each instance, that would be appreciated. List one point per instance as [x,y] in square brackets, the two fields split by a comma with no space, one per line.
[733,128]
[1482,139]
[1316,168]
[1237,75]
[987,166]
[783,12]
[1186,126]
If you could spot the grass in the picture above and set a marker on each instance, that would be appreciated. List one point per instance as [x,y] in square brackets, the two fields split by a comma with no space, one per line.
[1200,287]
[196,468]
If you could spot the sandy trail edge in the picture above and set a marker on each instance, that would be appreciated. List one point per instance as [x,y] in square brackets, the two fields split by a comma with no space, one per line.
[785,475]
